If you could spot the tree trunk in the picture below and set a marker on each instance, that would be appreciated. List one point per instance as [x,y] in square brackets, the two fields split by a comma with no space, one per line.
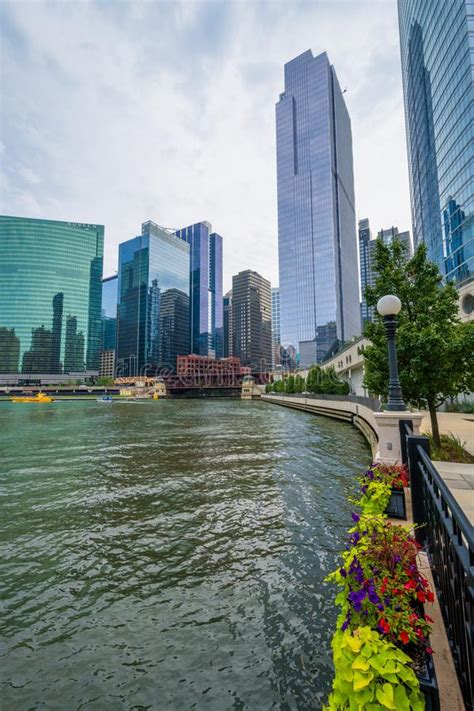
[434,425]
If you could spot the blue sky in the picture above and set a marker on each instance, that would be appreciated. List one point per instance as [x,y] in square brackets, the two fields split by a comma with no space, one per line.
[116,112]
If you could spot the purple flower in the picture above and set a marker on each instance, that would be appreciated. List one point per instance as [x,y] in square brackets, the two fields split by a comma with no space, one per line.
[355,538]
[380,607]
[364,488]
[355,517]
[397,559]
[356,598]
[346,623]
[343,572]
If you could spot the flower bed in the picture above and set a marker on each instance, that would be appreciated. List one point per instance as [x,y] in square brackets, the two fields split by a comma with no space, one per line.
[382,635]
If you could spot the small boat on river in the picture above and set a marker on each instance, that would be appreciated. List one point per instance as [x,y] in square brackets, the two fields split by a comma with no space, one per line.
[105,398]
[39,397]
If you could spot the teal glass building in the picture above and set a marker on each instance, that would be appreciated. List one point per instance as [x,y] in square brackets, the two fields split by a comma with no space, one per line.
[153,303]
[50,296]
[109,312]
[437,52]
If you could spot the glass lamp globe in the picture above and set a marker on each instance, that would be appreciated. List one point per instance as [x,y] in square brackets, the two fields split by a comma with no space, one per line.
[389,305]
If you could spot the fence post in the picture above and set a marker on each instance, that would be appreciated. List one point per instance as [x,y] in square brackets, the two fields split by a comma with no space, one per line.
[416,482]
[406,428]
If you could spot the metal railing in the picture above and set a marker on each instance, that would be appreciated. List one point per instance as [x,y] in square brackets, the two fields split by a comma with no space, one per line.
[448,538]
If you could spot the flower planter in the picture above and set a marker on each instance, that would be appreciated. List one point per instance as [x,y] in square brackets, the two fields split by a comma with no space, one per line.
[396,507]
[429,684]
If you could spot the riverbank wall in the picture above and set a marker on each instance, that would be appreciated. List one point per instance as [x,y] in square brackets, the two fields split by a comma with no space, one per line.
[358,411]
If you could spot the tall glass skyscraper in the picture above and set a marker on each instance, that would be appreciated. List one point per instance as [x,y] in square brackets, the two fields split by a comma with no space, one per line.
[319,290]
[207,318]
[437,52]
[50,296]
[109,312]
[153,302]
[276,335]
[366,311]
[228,325]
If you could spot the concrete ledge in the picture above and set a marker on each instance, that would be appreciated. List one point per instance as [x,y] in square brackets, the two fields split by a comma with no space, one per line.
[358,415]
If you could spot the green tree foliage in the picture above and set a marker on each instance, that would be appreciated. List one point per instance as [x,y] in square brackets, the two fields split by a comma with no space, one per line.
[105,381]
[300,384]
[435,350]
[290,384]
[325,381]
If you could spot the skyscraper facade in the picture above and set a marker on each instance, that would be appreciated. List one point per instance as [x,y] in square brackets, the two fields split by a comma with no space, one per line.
[252,320]
[437,53]
[153,302]
[109,326]
[276,335]
[366,259]
[366,311]
[228,326]
[319,290]
[109,312]
[207,336]
[50,296]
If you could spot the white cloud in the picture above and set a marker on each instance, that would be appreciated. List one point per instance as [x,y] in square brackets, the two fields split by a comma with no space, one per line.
[165,111]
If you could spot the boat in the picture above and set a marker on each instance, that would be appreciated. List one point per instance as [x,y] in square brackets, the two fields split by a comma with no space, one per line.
[39,397]
[105,398]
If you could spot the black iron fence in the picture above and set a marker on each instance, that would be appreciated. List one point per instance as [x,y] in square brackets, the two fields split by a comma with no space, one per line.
[448,538]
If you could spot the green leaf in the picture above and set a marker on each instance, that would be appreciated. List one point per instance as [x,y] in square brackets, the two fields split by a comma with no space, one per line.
[386,697]
[362,680]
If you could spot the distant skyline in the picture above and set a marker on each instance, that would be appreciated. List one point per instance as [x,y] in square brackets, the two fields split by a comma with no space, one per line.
[116,113]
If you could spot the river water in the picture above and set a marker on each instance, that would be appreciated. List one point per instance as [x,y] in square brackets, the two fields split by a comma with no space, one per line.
[171,554]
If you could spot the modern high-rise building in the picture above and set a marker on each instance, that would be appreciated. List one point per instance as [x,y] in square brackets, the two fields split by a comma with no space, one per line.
[109,326]
[365,236]
[437,52]
[205,289]
[153,302]
[50,297]
[317,244]
[366,259]
[276,335]
[228,327]
[387,236]
[252,320]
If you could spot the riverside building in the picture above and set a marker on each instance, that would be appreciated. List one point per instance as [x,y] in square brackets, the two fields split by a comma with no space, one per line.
[252,320]
[50,299]
[206,305]
[109,326]
[153,302]
[437,68]
[317,244]
[228,326]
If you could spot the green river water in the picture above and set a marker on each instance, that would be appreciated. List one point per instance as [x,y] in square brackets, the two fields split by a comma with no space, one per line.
[171,554]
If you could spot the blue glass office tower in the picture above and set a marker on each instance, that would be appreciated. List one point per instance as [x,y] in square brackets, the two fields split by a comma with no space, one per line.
[109,312]
[207,317]
[366,311]
[317,244]
[153,302]
[437,52]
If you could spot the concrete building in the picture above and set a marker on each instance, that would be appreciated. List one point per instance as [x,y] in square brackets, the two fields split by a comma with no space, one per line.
[252,324]
[228,325]
[317,243]
[276,333]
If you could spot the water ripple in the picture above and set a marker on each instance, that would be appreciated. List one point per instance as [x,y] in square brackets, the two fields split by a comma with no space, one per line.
[170,556]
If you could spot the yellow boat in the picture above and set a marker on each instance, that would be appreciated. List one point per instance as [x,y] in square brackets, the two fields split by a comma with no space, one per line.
[39,397]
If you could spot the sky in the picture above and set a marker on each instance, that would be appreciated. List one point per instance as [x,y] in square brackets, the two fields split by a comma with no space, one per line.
[115,112]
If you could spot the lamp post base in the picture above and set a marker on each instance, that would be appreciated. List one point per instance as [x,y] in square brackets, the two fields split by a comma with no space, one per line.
[388,430]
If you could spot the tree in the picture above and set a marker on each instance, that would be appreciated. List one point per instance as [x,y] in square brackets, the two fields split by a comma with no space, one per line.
[435,351]
[290,384]
[299,384]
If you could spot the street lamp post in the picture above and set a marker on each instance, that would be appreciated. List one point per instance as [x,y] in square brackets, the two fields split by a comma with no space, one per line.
[388,307]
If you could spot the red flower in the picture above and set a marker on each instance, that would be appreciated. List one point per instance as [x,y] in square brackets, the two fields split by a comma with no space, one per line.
[429,650]
[404,637]
[430,596]
[421,596]
[410,585]
[384,626]
[428,618]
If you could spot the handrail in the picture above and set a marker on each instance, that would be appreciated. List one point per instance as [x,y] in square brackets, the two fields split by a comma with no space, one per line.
[462,520]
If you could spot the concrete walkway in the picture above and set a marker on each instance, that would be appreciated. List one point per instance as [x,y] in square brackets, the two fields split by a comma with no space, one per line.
[458,423]
[460,480]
